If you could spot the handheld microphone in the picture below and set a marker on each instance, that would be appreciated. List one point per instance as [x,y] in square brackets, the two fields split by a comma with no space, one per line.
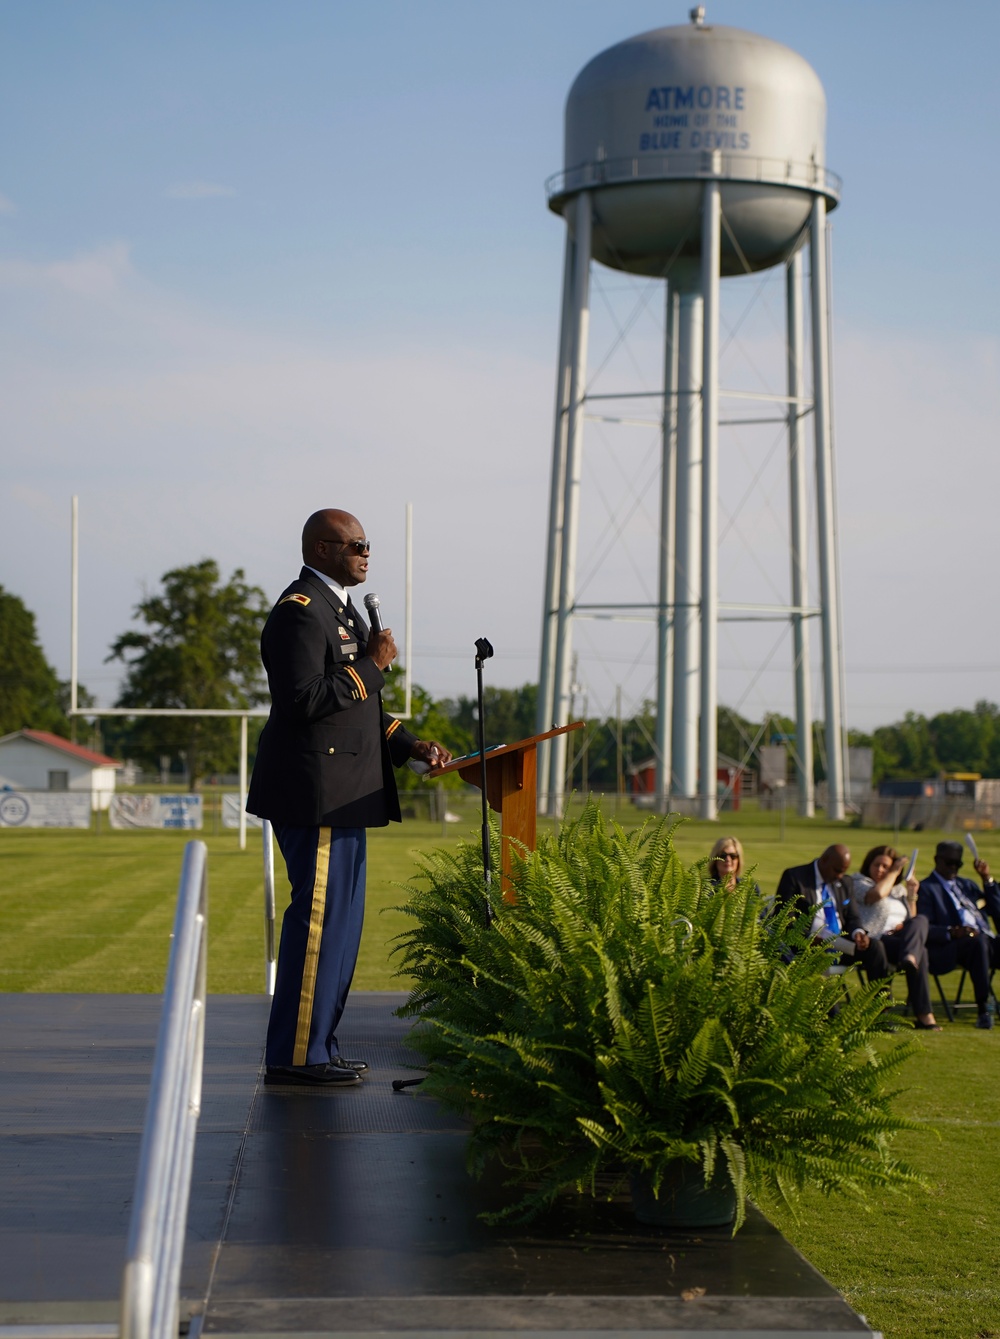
[375,616]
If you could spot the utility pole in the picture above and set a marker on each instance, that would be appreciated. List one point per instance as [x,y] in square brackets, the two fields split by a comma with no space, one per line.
[620,770]
[574,688]
[584,746]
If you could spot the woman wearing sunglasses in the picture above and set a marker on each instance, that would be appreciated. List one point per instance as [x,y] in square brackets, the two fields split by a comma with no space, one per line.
[886,908]
[725,864]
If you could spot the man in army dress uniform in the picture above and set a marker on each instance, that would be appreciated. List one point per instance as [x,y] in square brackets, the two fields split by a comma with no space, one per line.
[322,775]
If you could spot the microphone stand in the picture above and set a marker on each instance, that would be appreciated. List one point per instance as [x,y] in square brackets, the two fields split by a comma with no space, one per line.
[483,652]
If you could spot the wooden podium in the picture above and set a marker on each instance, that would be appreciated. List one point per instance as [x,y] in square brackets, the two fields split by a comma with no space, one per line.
[511,773]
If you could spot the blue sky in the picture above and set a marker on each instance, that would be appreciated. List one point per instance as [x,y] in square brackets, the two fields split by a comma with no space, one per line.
[257,258]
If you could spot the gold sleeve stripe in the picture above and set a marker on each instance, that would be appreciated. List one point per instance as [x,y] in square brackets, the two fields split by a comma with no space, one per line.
[296,599]
[308,991]
[391,728]
[363,691]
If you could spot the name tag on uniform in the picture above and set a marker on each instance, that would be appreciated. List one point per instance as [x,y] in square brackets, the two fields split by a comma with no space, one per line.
[350,648]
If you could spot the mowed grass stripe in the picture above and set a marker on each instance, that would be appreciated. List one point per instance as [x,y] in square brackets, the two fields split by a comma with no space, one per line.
[93,912]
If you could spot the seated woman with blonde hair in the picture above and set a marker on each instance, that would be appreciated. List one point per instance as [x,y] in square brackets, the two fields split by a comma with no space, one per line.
[725,864]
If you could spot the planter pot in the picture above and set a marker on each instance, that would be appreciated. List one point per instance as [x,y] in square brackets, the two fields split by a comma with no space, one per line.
[684,1199]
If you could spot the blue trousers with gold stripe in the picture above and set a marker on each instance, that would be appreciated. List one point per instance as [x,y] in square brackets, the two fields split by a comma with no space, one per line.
[320,934]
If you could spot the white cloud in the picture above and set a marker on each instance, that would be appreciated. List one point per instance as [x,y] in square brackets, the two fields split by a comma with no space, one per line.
[101,272]
[198,190]
[189,435]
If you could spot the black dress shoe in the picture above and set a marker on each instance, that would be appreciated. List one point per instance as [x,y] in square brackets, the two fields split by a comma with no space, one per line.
[311,1076]
[358,1066]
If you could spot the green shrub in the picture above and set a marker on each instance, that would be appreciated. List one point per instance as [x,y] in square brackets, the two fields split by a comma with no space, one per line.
[624,1014]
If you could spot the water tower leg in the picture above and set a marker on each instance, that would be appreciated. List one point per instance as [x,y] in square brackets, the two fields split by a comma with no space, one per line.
[687,570]
[582,217]
[799,536]
[711,232]
[553,554]
[665,616]
[828,567]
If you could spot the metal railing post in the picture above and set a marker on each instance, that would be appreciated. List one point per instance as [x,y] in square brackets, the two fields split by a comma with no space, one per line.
[150,1300]
[243,783]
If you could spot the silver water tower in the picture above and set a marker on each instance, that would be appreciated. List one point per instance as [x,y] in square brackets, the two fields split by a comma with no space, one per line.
[693,153]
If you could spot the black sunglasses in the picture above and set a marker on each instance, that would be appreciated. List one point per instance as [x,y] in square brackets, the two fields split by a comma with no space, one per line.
[359,546]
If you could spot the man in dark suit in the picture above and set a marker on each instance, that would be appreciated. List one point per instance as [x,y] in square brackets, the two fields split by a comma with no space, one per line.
[818,891]
[958,933]
[323,775]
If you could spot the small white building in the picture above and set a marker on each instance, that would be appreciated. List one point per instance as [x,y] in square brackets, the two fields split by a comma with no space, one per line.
[38,760]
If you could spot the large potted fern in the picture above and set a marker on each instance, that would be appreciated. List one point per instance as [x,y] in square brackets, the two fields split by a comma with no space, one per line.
[624,1019]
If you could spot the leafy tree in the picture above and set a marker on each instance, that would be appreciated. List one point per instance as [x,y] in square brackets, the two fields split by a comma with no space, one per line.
[30,693]
[963,740]
[428,720]
[905,749]
[510,714]
[200,649]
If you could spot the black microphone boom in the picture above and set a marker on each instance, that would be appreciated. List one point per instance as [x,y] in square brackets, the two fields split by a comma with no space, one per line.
[483,652]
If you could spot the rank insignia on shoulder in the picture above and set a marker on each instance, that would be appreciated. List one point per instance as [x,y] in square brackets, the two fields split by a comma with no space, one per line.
[345,636]
[296,599]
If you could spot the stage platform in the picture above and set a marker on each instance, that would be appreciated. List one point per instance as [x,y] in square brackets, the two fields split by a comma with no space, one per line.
[332,1213]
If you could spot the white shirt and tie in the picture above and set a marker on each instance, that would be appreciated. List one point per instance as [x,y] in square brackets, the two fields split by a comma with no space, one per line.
[825,925]
[826,922]
[969,914]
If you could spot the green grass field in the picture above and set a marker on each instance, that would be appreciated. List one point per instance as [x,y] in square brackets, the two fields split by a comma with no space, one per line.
[93,911]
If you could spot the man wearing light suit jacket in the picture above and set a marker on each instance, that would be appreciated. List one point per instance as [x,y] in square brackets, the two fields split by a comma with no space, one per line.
[323,774]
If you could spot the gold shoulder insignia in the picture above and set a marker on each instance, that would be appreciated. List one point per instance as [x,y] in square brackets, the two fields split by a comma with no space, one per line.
[297,599]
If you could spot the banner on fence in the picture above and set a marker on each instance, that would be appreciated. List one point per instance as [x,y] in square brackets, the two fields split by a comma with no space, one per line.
[44,809]
[156,811]
[231,813]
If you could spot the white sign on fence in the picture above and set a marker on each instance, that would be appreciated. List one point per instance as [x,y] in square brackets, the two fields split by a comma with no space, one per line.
[231,813]
[156,811]
[44,809]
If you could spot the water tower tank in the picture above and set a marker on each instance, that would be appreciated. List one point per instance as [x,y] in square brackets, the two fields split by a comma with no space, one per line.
[692,153]
[648,120]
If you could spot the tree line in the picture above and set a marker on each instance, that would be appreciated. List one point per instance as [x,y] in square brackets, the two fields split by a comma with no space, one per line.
[196,645]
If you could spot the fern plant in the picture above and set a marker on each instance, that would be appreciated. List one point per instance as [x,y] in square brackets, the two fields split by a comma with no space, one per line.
[624,1015]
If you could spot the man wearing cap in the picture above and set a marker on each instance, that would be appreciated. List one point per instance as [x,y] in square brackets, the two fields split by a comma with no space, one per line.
[818,890]
[959,934]
[322,775]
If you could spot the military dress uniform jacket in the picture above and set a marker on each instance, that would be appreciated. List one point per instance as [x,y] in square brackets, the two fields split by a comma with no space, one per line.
[327,751]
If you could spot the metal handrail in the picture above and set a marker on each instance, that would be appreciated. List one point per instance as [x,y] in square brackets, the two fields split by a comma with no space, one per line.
[269,943]
[150,1301]
[693,166]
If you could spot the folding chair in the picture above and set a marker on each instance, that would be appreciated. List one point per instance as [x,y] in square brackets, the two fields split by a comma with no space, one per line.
[957,1002]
